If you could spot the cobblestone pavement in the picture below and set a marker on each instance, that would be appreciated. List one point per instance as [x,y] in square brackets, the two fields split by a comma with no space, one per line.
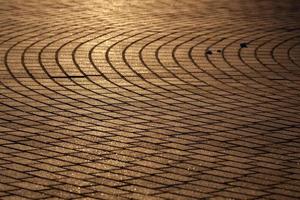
[152,99]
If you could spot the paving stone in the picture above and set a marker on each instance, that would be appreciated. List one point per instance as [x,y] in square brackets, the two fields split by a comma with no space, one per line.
[149,99]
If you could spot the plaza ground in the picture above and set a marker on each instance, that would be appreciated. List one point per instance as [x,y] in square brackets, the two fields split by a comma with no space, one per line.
[152,99]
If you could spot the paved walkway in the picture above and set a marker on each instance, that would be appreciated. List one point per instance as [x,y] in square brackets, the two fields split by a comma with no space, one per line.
[152,99]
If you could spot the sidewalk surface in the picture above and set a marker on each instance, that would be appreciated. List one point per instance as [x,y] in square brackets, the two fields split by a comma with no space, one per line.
[152,99]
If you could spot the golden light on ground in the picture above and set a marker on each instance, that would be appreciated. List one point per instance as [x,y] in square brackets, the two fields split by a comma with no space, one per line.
[103,99]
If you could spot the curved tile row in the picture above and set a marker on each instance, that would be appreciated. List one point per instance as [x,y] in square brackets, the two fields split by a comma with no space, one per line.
[169,103]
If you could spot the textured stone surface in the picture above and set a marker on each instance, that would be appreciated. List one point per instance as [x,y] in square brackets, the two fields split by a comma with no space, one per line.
[115,99]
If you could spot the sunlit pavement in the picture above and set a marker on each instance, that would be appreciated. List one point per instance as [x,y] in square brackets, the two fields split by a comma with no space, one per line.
[152,99]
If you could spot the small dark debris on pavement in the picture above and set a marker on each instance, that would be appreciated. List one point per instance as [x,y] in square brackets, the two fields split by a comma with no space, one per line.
[243,45]
[208,52]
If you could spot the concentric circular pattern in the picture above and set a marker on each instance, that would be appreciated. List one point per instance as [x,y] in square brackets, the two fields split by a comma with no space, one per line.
[115,99]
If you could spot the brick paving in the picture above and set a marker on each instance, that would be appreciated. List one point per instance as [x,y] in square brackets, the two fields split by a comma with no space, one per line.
[152,99]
